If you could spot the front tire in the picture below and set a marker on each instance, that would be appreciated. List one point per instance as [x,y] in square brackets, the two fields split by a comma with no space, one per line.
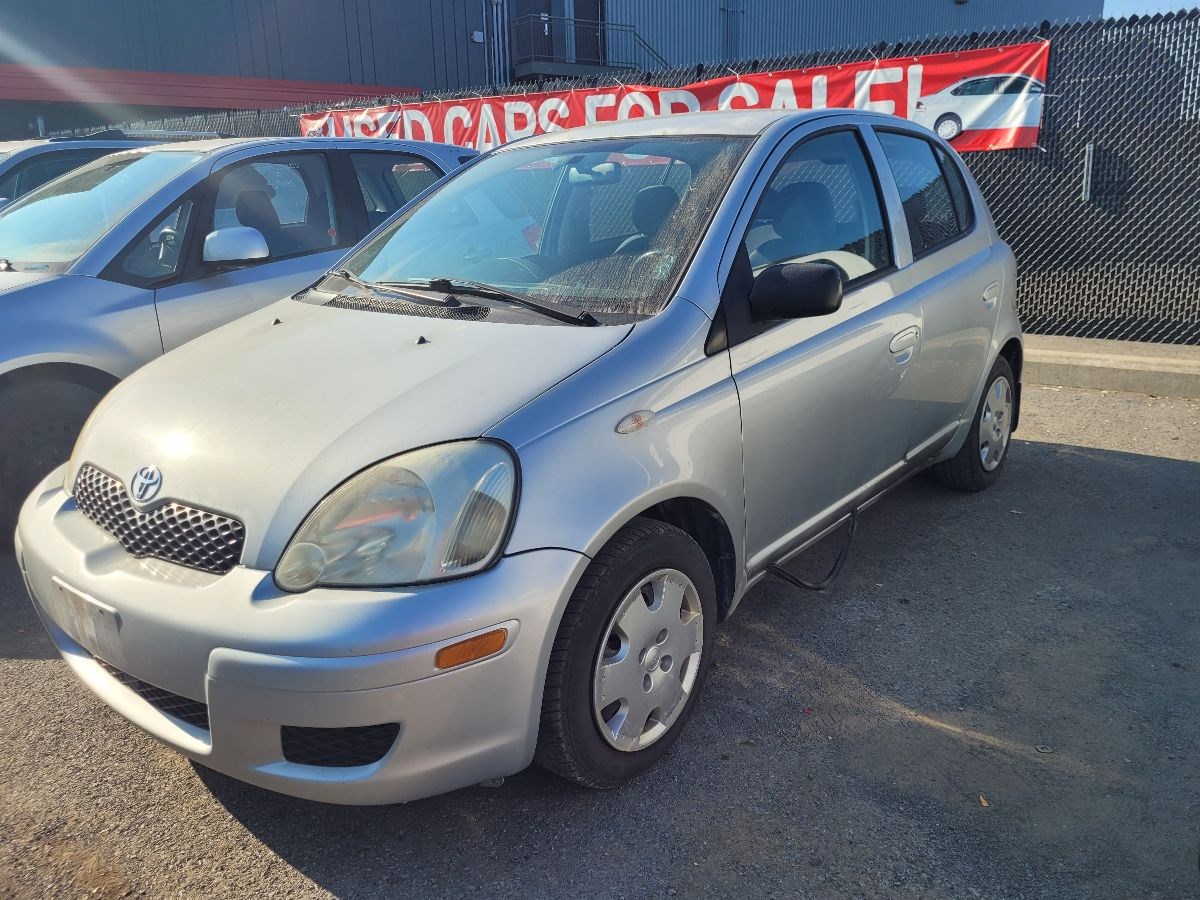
[38,427]
[981,459]
[948,127]
[630,657]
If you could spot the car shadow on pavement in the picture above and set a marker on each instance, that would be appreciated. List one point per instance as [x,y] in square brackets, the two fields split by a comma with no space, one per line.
[21,635]
[999,695]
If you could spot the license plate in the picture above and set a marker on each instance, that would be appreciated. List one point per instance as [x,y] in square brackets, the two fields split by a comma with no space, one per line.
[90,622]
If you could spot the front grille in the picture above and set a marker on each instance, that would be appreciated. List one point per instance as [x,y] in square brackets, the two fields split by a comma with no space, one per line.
[191,711]
[176,533]
[338,747]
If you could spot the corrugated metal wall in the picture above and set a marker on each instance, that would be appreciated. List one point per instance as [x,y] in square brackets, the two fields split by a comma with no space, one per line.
[691,31]
[418,43]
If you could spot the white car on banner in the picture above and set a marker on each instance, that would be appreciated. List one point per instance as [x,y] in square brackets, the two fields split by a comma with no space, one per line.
[991,101]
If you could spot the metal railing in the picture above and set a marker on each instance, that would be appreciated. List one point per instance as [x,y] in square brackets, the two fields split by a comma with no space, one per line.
[544,38]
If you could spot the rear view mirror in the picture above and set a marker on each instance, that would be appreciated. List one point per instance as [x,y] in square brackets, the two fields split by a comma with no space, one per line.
[796,291]
[235,244]
[602,173]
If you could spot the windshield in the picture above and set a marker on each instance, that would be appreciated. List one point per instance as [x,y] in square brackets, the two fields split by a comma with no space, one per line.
[605,227]
[53,225]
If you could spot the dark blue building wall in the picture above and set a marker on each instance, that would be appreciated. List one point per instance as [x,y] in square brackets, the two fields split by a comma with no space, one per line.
[410,43]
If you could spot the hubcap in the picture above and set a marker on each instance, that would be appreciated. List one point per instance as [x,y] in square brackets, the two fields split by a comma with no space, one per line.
[995,423]
[947,130]
[649,659]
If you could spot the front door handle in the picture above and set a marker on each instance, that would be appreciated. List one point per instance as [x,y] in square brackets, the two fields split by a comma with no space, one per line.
[991,294]
[905,340]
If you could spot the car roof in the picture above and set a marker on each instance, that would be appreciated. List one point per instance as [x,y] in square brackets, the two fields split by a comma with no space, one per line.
[50,145]
[733,122]
[216,147]
[10,146]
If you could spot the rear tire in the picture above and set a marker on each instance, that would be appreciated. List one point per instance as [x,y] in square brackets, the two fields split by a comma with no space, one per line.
[601,727]
[39,423]
[981,459]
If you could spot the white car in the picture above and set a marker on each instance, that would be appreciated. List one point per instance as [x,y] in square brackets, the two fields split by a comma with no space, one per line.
[991,101]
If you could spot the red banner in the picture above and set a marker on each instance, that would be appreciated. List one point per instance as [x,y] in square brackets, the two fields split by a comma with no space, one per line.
[989,99]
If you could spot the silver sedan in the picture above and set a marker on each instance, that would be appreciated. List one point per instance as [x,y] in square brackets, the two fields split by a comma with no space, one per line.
[447,512]
[105,268]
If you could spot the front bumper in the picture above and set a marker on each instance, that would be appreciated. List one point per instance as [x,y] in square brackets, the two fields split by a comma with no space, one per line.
[261,659]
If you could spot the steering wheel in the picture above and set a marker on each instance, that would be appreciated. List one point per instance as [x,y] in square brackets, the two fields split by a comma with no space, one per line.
[504,268]
[648,261]
[524,264]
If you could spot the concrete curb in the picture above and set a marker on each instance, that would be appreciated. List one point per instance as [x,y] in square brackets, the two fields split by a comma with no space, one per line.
[1166,370]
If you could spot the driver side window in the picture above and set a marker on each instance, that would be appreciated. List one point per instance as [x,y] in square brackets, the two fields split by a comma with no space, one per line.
[822,205]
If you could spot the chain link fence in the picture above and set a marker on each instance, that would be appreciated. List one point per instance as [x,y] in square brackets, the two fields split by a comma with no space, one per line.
[1104,216]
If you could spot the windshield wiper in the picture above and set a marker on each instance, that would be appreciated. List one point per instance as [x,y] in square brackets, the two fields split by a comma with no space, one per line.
[560,311]
[394,287]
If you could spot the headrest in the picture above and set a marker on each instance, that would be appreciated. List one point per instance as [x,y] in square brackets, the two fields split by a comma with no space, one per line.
[651,206]
[254,209]
[802,209]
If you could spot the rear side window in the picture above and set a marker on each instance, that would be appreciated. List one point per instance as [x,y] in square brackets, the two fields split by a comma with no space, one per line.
[958,189]
[935,206]
[389,180]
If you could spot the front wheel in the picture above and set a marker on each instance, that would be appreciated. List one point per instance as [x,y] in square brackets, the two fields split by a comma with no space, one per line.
[980,460]
[948,127]
[630,657]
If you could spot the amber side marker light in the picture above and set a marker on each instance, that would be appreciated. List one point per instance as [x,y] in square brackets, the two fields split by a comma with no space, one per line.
[471,649]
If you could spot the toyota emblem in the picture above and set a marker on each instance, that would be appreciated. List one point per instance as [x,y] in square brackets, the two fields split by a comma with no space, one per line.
[145,483]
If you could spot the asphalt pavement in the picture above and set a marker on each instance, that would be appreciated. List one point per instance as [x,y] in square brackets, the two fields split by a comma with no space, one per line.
[999,698]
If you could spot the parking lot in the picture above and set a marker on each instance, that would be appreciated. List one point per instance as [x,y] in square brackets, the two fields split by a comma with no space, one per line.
[998,698]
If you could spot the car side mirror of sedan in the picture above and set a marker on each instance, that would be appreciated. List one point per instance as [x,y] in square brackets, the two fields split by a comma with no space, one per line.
[796,291]
[235,244]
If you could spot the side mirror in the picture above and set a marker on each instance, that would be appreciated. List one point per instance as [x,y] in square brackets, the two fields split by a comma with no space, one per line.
[236,244]
[796,291]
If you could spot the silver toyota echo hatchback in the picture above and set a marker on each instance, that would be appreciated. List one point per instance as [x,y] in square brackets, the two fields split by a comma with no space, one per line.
[447,512]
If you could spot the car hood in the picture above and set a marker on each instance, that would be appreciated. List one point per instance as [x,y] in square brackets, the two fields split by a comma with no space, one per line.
[11,281]
[260,419]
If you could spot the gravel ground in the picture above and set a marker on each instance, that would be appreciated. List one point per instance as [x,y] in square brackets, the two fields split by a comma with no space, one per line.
[998,699]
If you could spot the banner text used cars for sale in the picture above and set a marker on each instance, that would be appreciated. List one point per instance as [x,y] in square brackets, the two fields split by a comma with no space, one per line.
[985,99]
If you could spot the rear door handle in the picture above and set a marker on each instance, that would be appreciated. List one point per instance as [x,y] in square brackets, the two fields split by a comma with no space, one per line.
[991,294]
[905,340]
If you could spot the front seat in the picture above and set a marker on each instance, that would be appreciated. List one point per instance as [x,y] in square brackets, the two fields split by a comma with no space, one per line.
[255,210]
[651,207]
[803,217]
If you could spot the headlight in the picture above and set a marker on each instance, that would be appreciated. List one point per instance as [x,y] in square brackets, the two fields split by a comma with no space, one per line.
[436,513]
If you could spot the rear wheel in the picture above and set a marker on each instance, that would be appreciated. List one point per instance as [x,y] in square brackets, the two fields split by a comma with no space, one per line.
[38,426]
[630,657]
[982,457]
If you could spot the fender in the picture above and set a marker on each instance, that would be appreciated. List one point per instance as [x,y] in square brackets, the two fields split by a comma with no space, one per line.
[690,449]
[77,320]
